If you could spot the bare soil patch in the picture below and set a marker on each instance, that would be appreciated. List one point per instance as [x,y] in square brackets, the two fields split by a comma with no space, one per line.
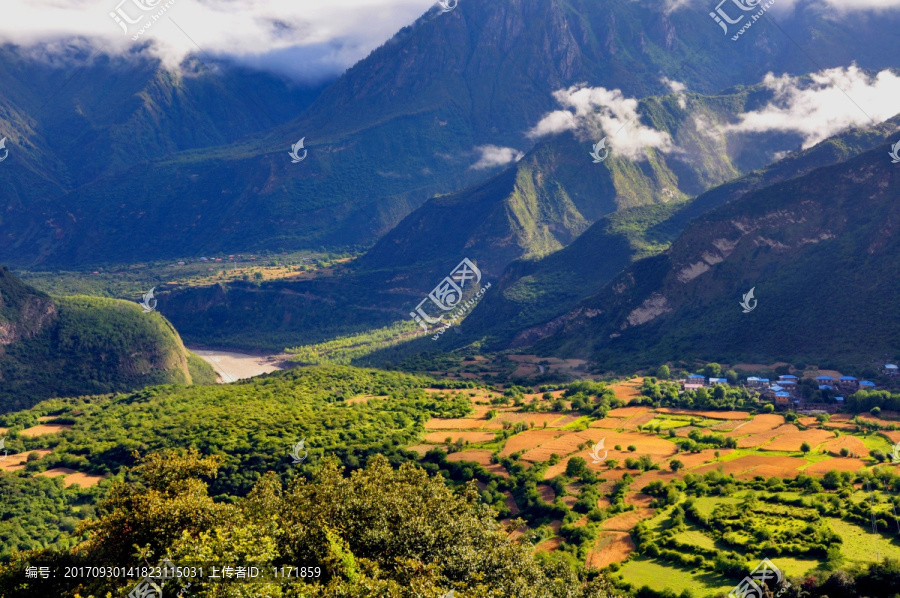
[851,443]
[627,389]
[793,440]
[72,476]
[624,522]
[627,411]
[530,439]
[17,461]
[45,429]
[760,423]
[892,435]
[761,438]
[639,420]
[439,437]
[480,456]
[611,547]
[753,465]
[547,493]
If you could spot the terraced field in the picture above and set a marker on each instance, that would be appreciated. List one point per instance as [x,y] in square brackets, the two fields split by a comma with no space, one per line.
[768,447]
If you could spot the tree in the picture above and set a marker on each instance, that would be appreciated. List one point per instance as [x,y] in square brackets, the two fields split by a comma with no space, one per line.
[731,376]
[663,373]
[713,370]
[875,411]
[576,467]
[632,448]
[612,463]
[768,408]
[805,448]
[676,465]
[379,532]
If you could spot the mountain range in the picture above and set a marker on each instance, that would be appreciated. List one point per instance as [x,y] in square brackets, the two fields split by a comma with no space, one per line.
[819,252]
[196,163]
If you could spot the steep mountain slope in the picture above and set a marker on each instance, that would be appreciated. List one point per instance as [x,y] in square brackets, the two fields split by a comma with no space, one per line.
[405,124]
[533,292]
[83,345]
[822,252]
[530,210]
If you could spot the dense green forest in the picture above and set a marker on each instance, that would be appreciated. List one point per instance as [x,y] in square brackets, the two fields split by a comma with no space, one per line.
[379,532]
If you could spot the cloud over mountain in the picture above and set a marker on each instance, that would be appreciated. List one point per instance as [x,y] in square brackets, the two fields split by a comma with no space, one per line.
[834,100]
[599,112]
[305,39]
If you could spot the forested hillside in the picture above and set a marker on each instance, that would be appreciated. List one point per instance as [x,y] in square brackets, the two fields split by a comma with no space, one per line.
[78,345]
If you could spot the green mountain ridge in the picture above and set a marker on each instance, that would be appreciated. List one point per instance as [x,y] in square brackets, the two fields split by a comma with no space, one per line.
[535,292]
[533,209]
[820,251]
[70,346]
[399,127]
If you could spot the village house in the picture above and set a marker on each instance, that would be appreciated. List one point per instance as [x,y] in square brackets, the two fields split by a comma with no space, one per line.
[713,381]
[848,383]
[867,385]
[891,370]
[694,381]
[755,382]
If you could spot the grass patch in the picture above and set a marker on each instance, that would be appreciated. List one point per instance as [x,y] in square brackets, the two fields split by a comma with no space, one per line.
[657,576]
[861,545]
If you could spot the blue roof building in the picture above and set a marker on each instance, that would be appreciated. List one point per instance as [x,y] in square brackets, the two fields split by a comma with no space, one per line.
[787,377]
[867,384]
[848,379]
[825,387]
[824,379]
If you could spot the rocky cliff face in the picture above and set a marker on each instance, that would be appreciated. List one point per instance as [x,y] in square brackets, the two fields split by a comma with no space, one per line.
[24,312]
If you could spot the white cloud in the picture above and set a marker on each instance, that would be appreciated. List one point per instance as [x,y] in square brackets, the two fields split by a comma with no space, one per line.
[599,112]
[786,5]
[835,100]
[328,36]
[493,155]
[675,86]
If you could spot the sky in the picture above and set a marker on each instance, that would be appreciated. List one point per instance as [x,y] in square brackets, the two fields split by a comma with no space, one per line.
[306,39]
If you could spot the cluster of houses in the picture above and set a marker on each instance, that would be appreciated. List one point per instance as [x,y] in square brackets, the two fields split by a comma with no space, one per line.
[784,390]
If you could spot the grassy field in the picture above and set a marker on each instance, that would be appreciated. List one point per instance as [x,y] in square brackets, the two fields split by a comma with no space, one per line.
[128,281]
[642,571]
[861,545]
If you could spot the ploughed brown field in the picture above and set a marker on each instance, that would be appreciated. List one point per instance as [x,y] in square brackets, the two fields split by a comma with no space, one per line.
[775,445]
